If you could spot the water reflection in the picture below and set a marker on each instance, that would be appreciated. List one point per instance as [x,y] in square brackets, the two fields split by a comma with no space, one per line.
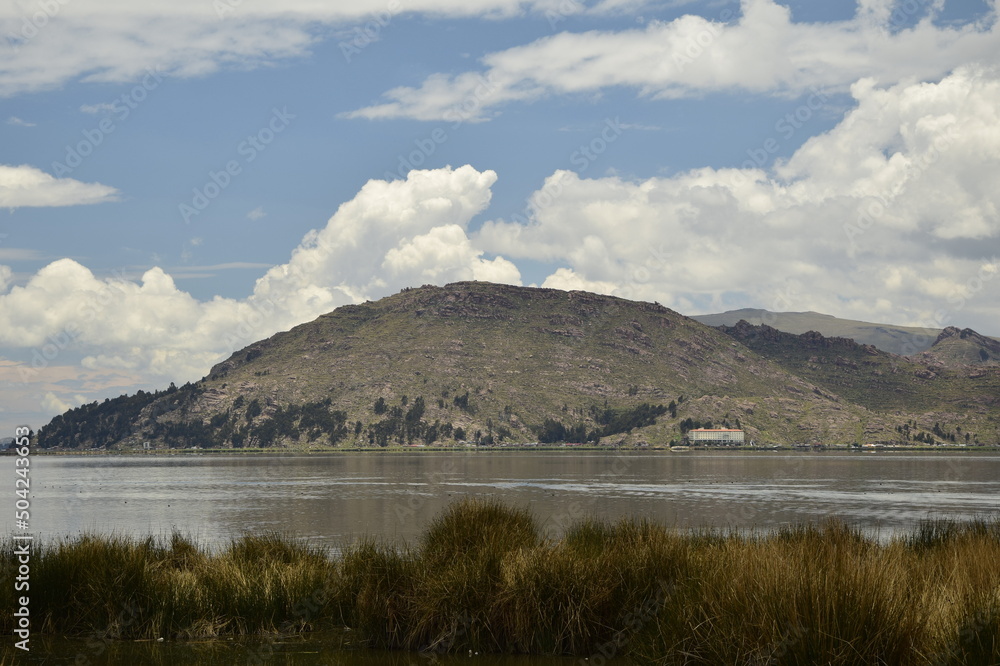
[335,498]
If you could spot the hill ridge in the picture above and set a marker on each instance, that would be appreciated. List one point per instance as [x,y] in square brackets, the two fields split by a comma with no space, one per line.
[492,363]
[902,340]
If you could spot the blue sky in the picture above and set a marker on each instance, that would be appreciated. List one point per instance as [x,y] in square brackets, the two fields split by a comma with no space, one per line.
[183,177]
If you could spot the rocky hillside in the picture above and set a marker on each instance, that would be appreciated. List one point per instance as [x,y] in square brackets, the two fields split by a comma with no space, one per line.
[939,397]
[489,363]
[954,347]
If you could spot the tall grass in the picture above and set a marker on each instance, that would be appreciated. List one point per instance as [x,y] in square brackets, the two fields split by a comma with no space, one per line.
[483,579]
[121,587]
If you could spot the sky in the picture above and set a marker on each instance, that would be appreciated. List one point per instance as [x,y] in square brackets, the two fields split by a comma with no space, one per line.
[180,178]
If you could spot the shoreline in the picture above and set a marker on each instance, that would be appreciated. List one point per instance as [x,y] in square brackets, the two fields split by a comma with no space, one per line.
[504,449]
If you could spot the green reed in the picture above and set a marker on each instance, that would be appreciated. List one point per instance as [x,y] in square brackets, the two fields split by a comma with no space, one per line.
[483,578]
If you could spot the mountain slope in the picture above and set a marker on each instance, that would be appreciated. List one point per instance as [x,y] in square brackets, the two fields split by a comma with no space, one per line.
[902,340]
[955,347]
[486,363]
[955,397]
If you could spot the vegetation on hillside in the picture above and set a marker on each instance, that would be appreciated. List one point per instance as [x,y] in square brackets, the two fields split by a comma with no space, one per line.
[247,424]
[116,419]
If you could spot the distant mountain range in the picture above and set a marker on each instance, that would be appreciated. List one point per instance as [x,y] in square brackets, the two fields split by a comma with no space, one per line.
[491,364]
[903,340]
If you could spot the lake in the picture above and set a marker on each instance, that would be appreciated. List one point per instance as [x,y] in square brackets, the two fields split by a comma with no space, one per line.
[334,498]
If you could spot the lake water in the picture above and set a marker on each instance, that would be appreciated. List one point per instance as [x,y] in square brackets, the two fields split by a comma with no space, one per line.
[334,498]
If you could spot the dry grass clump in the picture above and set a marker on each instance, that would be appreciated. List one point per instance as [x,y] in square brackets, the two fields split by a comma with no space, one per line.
[817,595]
[122,587]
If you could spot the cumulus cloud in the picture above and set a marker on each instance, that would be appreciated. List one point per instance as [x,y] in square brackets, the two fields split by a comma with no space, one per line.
[890,216]
[52,403]
[49,45]
[391,232]
[568,280]
[24,186]
[763,51]
[444,254]
[389,236]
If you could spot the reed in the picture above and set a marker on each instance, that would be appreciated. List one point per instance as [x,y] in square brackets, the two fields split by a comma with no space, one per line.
[121,587]
[482,578]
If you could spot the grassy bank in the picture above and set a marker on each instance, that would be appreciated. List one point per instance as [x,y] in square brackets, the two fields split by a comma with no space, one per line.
[482,578]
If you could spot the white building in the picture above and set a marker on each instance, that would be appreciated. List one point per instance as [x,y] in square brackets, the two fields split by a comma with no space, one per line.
[727,436]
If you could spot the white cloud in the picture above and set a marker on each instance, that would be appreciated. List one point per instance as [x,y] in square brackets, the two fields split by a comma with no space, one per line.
[763,52]
[55,405]
[103,107]
[891,216]
[404,226]
[388,236]
[445,254]
[14,120]
[117,42]
[257,213]
[567,280]
[23,186]
[5,277]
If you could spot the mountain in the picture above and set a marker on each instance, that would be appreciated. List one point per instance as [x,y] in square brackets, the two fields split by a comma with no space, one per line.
[491,363]
[963,347]
[902,340]
[958,399]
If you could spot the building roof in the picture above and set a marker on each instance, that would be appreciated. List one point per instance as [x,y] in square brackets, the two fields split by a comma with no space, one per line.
[715,430]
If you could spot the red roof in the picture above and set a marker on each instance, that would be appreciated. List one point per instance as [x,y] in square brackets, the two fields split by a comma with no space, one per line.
[716,430]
